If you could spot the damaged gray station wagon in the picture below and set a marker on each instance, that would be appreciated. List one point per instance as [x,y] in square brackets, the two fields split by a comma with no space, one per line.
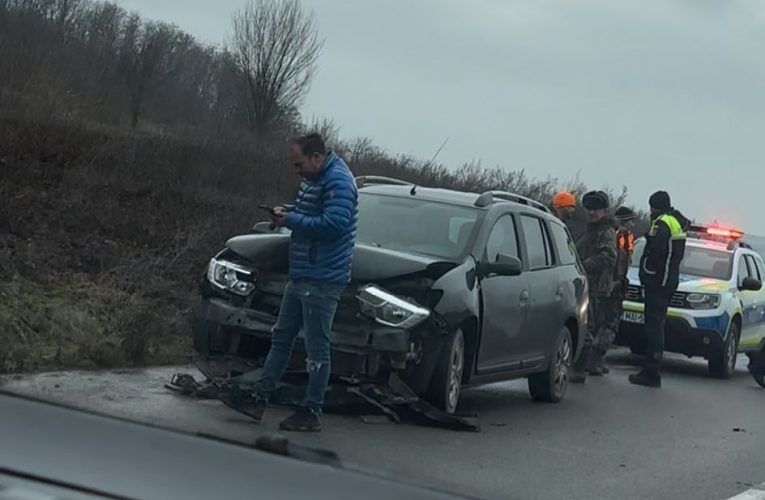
[449,289]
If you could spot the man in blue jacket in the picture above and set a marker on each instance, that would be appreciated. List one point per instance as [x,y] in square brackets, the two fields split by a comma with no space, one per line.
[323,224]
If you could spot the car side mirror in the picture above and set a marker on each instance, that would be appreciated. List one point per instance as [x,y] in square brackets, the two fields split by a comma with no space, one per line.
[263,228]
[751,285]
[505,266]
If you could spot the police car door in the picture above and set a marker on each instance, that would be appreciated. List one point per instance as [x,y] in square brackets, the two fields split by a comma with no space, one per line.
[753,302]
[746,298]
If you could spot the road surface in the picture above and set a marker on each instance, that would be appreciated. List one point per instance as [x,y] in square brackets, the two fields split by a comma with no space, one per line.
[697,437]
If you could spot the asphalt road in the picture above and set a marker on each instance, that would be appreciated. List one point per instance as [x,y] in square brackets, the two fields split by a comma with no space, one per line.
[696,438]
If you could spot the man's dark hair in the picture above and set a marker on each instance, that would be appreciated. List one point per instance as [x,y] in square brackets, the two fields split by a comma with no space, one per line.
[310,144]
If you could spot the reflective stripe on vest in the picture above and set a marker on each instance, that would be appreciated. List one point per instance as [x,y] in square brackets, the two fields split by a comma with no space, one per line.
[676,233]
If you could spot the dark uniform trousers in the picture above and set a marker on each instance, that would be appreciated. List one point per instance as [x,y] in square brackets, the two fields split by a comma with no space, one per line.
[656,305]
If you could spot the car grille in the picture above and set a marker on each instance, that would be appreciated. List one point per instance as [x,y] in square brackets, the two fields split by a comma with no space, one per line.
[636,293]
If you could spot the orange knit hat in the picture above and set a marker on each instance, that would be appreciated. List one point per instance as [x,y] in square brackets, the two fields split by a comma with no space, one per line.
[564,199]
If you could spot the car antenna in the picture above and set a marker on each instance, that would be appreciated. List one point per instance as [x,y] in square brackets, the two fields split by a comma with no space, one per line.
[435,155]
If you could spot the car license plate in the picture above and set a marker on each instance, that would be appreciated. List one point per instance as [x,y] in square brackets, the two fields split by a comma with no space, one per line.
[633,317]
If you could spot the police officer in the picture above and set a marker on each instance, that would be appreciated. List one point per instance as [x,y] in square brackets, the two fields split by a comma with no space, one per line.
[660,275]
[597,249]
[625,242]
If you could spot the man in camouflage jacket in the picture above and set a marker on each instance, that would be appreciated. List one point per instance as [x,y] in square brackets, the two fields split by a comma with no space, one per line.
[625,243]
[597,250]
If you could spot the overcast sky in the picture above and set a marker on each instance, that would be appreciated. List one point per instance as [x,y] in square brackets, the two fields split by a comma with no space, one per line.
[651,94]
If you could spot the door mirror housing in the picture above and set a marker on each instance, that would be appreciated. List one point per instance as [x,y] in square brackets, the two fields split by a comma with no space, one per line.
[263,228]
[751,285]
[505,266]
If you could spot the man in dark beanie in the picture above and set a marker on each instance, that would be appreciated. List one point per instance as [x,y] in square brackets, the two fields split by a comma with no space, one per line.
[597,249]
[660,275]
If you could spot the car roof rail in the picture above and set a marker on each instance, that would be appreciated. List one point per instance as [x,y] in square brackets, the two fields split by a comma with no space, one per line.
[490,197]
[739,244]
[371,180]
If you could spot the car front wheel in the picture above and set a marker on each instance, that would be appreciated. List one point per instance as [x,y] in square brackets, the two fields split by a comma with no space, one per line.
[551,384]
[723,364]
[446,384]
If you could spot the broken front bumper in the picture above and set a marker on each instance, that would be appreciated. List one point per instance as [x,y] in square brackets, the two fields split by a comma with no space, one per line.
[232,339]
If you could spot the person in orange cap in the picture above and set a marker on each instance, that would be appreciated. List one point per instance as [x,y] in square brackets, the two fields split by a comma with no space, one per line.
[564,204]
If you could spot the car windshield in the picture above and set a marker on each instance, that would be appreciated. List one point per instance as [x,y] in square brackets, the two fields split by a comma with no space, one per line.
[703,262]
[438,229]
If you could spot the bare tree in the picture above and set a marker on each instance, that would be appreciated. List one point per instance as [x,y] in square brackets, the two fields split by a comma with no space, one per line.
[276,45]
[149,63]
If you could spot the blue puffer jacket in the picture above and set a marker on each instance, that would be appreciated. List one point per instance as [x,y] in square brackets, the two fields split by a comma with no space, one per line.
[323,224]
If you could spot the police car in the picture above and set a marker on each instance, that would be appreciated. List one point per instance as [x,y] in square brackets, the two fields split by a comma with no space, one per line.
[719,307]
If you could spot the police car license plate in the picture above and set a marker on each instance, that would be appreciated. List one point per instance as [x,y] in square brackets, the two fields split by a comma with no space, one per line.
[633,317]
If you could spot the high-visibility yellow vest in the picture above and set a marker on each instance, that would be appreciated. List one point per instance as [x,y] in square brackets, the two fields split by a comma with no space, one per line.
[675,229]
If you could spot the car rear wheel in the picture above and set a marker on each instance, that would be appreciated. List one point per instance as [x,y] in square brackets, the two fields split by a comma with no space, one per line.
[551,384]
[723,363]
[446,384]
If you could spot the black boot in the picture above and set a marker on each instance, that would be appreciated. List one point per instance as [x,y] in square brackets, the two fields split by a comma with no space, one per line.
[303,420]
[646,378]
[244,402]
[578,373]
[596,364]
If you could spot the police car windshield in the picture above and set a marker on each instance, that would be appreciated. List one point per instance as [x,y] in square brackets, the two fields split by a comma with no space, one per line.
[701,261]
[415,225]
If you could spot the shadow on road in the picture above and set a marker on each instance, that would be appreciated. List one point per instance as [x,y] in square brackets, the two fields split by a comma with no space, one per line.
[677,365]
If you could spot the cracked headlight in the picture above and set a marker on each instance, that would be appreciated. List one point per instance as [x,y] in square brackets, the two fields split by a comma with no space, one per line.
[390,310]
[228,276]
[703,300]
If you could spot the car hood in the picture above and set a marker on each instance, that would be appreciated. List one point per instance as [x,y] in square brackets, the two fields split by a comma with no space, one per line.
[688,283]
[369,263]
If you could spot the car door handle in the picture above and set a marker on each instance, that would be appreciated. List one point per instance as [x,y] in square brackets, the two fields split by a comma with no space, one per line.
[524,299]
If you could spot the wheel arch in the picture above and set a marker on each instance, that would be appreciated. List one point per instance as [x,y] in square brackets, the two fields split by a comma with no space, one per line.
[470,334]
[737,320]
[573,327]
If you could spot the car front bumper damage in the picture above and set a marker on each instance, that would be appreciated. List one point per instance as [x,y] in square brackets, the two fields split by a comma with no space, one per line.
[231,344]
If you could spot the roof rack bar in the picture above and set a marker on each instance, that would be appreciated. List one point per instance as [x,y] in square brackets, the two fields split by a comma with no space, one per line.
[489,197]
[369,180]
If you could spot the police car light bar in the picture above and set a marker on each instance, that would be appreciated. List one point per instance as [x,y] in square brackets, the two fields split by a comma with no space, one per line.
[733,234]
[716,233]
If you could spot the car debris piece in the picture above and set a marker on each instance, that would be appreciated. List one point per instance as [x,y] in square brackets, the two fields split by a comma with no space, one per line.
[186,385]
[395,400]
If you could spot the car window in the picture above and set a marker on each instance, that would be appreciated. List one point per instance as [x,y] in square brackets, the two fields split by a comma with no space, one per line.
[760,268]
[698,261]
[754,271]
[536,242]
[564,243]
[743,270]
[502,240]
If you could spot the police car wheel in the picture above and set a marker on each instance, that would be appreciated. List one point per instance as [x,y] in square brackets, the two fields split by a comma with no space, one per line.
[723,363]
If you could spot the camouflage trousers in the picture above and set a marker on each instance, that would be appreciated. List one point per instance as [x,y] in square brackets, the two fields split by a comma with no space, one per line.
[603,318]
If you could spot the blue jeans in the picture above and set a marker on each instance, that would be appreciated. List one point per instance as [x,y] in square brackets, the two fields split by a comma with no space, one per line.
[310,306]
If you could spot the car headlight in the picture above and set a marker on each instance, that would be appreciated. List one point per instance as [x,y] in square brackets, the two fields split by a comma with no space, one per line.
[390,310]
[228,276]
[703,300]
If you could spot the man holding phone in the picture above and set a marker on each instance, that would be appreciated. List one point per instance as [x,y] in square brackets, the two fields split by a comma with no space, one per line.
[323,224]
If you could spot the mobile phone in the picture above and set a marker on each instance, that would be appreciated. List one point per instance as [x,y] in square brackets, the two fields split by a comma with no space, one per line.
[267,208]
